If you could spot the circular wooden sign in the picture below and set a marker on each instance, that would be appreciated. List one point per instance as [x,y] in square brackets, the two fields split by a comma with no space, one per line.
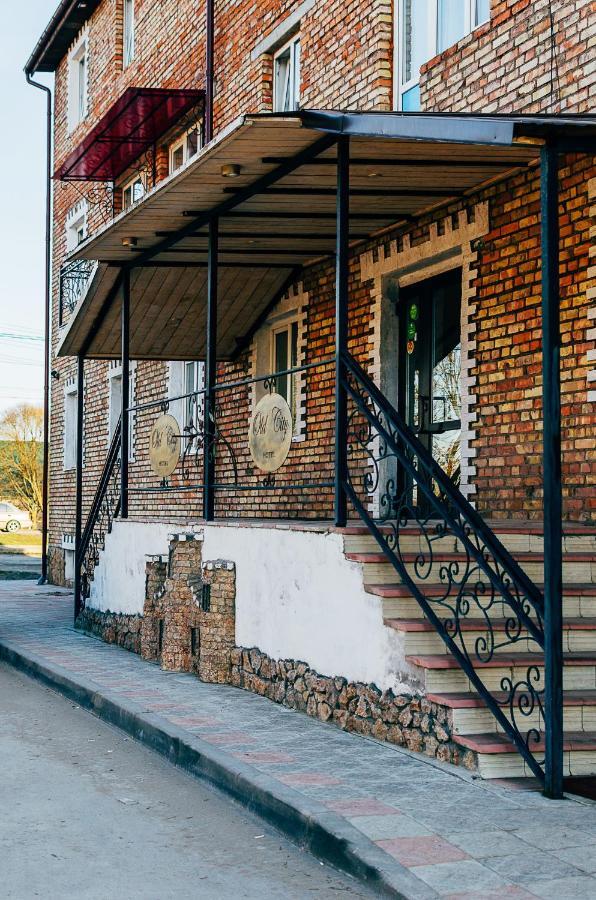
[270,432]
[164,446]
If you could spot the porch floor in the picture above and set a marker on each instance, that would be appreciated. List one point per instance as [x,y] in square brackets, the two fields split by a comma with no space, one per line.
[454,835]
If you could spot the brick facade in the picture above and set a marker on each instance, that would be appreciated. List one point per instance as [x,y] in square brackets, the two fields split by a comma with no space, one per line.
[347,62]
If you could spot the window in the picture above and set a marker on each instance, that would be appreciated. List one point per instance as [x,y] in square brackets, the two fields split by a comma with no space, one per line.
[70,426]
[187,378]
[186,146]
[128,49]
[279,345]
[286,77]
[284,355]
[115,402]
[132,191]
[425,28]
[76,225]
[78,83]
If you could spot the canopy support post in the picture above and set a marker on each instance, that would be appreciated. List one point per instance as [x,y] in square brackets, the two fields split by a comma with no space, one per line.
[210,374]
[551,416]
[341,326]
[125,402]
[78,604]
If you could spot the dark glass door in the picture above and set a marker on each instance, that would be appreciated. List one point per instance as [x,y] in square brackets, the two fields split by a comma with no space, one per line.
[430,370]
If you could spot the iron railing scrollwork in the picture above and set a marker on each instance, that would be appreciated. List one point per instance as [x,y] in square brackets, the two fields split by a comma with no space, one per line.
[482,603]
[104,509]
[74,280]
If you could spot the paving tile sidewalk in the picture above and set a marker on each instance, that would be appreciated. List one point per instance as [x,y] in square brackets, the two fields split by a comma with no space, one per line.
[456,836]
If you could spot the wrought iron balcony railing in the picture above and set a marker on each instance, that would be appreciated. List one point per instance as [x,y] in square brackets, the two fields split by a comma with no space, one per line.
[75,278]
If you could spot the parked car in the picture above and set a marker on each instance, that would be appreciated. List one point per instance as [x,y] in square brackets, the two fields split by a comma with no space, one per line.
[12,518]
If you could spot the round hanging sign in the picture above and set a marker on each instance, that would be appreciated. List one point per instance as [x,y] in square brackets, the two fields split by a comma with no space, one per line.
[164,446]
[270,433]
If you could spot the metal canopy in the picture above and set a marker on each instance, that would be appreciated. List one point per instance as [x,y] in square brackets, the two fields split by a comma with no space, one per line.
[279,214]
[133,124]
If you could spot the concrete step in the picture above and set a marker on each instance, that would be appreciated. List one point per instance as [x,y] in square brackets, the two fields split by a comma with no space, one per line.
[498,758]
[579,600]
[441,672]
[520,538]
[420,637]
[470,715]
[577,567]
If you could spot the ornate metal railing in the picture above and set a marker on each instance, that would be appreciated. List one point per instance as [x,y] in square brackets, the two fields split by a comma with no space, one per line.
[74,280]
[481,603]
[103,511]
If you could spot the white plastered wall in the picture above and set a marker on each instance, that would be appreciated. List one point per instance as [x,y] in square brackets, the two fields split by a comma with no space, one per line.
[449,245]
[297,597]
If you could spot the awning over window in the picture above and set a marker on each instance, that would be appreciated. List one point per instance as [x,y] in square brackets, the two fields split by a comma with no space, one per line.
[135,122]
[278,214]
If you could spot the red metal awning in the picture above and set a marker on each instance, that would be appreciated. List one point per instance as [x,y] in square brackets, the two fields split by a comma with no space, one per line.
[137,119]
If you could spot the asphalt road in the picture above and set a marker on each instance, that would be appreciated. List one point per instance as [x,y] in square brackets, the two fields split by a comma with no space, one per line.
[88,813]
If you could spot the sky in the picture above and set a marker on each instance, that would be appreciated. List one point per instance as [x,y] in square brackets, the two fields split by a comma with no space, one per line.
[22,207]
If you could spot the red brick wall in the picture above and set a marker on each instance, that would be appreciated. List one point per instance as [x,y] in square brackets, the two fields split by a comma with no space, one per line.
[346,62]
[505,65]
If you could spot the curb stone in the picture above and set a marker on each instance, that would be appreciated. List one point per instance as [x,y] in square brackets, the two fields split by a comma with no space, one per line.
[306,822]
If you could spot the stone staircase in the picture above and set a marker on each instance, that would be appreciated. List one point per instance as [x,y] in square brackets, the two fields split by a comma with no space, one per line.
[444,682]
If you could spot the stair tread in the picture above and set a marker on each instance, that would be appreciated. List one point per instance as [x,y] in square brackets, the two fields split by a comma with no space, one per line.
[370,556]
[397,589]
[468,700]
[576,623]
[494,742]
[499,660]
[497,526]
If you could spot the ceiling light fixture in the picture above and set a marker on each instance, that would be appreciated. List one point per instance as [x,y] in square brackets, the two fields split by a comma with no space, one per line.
[230,170]
[129,242]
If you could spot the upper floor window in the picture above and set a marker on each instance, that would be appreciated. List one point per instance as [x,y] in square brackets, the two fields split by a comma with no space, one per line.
[76,225]
[132,191]
[425,28]
[128,32]
[185,147]
[286,77]
[78,83]
[284,355]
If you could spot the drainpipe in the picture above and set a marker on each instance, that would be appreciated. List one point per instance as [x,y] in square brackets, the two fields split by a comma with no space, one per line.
[46,377]
[209,55]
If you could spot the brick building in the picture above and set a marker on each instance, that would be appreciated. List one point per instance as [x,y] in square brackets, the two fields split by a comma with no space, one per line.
[335,335]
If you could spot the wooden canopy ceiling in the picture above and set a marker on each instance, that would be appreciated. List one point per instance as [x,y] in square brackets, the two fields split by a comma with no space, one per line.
[400,167]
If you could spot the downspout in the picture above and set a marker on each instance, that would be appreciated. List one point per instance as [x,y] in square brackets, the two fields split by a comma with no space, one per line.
[209,68]
[46,378]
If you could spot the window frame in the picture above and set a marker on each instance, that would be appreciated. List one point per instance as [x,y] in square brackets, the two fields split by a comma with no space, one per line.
[78,86]
[292,48]
[69,449]
[182,142]
[128,33]
[76,224]
[471,22]
[290,326]
[115,376]
[128,185]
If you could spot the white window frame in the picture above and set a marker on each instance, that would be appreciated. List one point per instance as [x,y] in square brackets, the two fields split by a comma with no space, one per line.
[128,32]
[289,327]
[470,24]
[76,228]
[290,87]
[177,387]
[290,311]
[70,426]
[128,185]
[182,142]
[115,409]
[78,82]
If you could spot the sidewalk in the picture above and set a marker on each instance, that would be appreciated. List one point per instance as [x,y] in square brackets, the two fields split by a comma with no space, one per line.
[410,827]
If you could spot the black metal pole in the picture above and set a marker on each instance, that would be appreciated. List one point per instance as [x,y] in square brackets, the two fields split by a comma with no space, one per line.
[79,486]
[341,325]
[551,415]
[209,69]
[210,375]
[125,352]
[47,323]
